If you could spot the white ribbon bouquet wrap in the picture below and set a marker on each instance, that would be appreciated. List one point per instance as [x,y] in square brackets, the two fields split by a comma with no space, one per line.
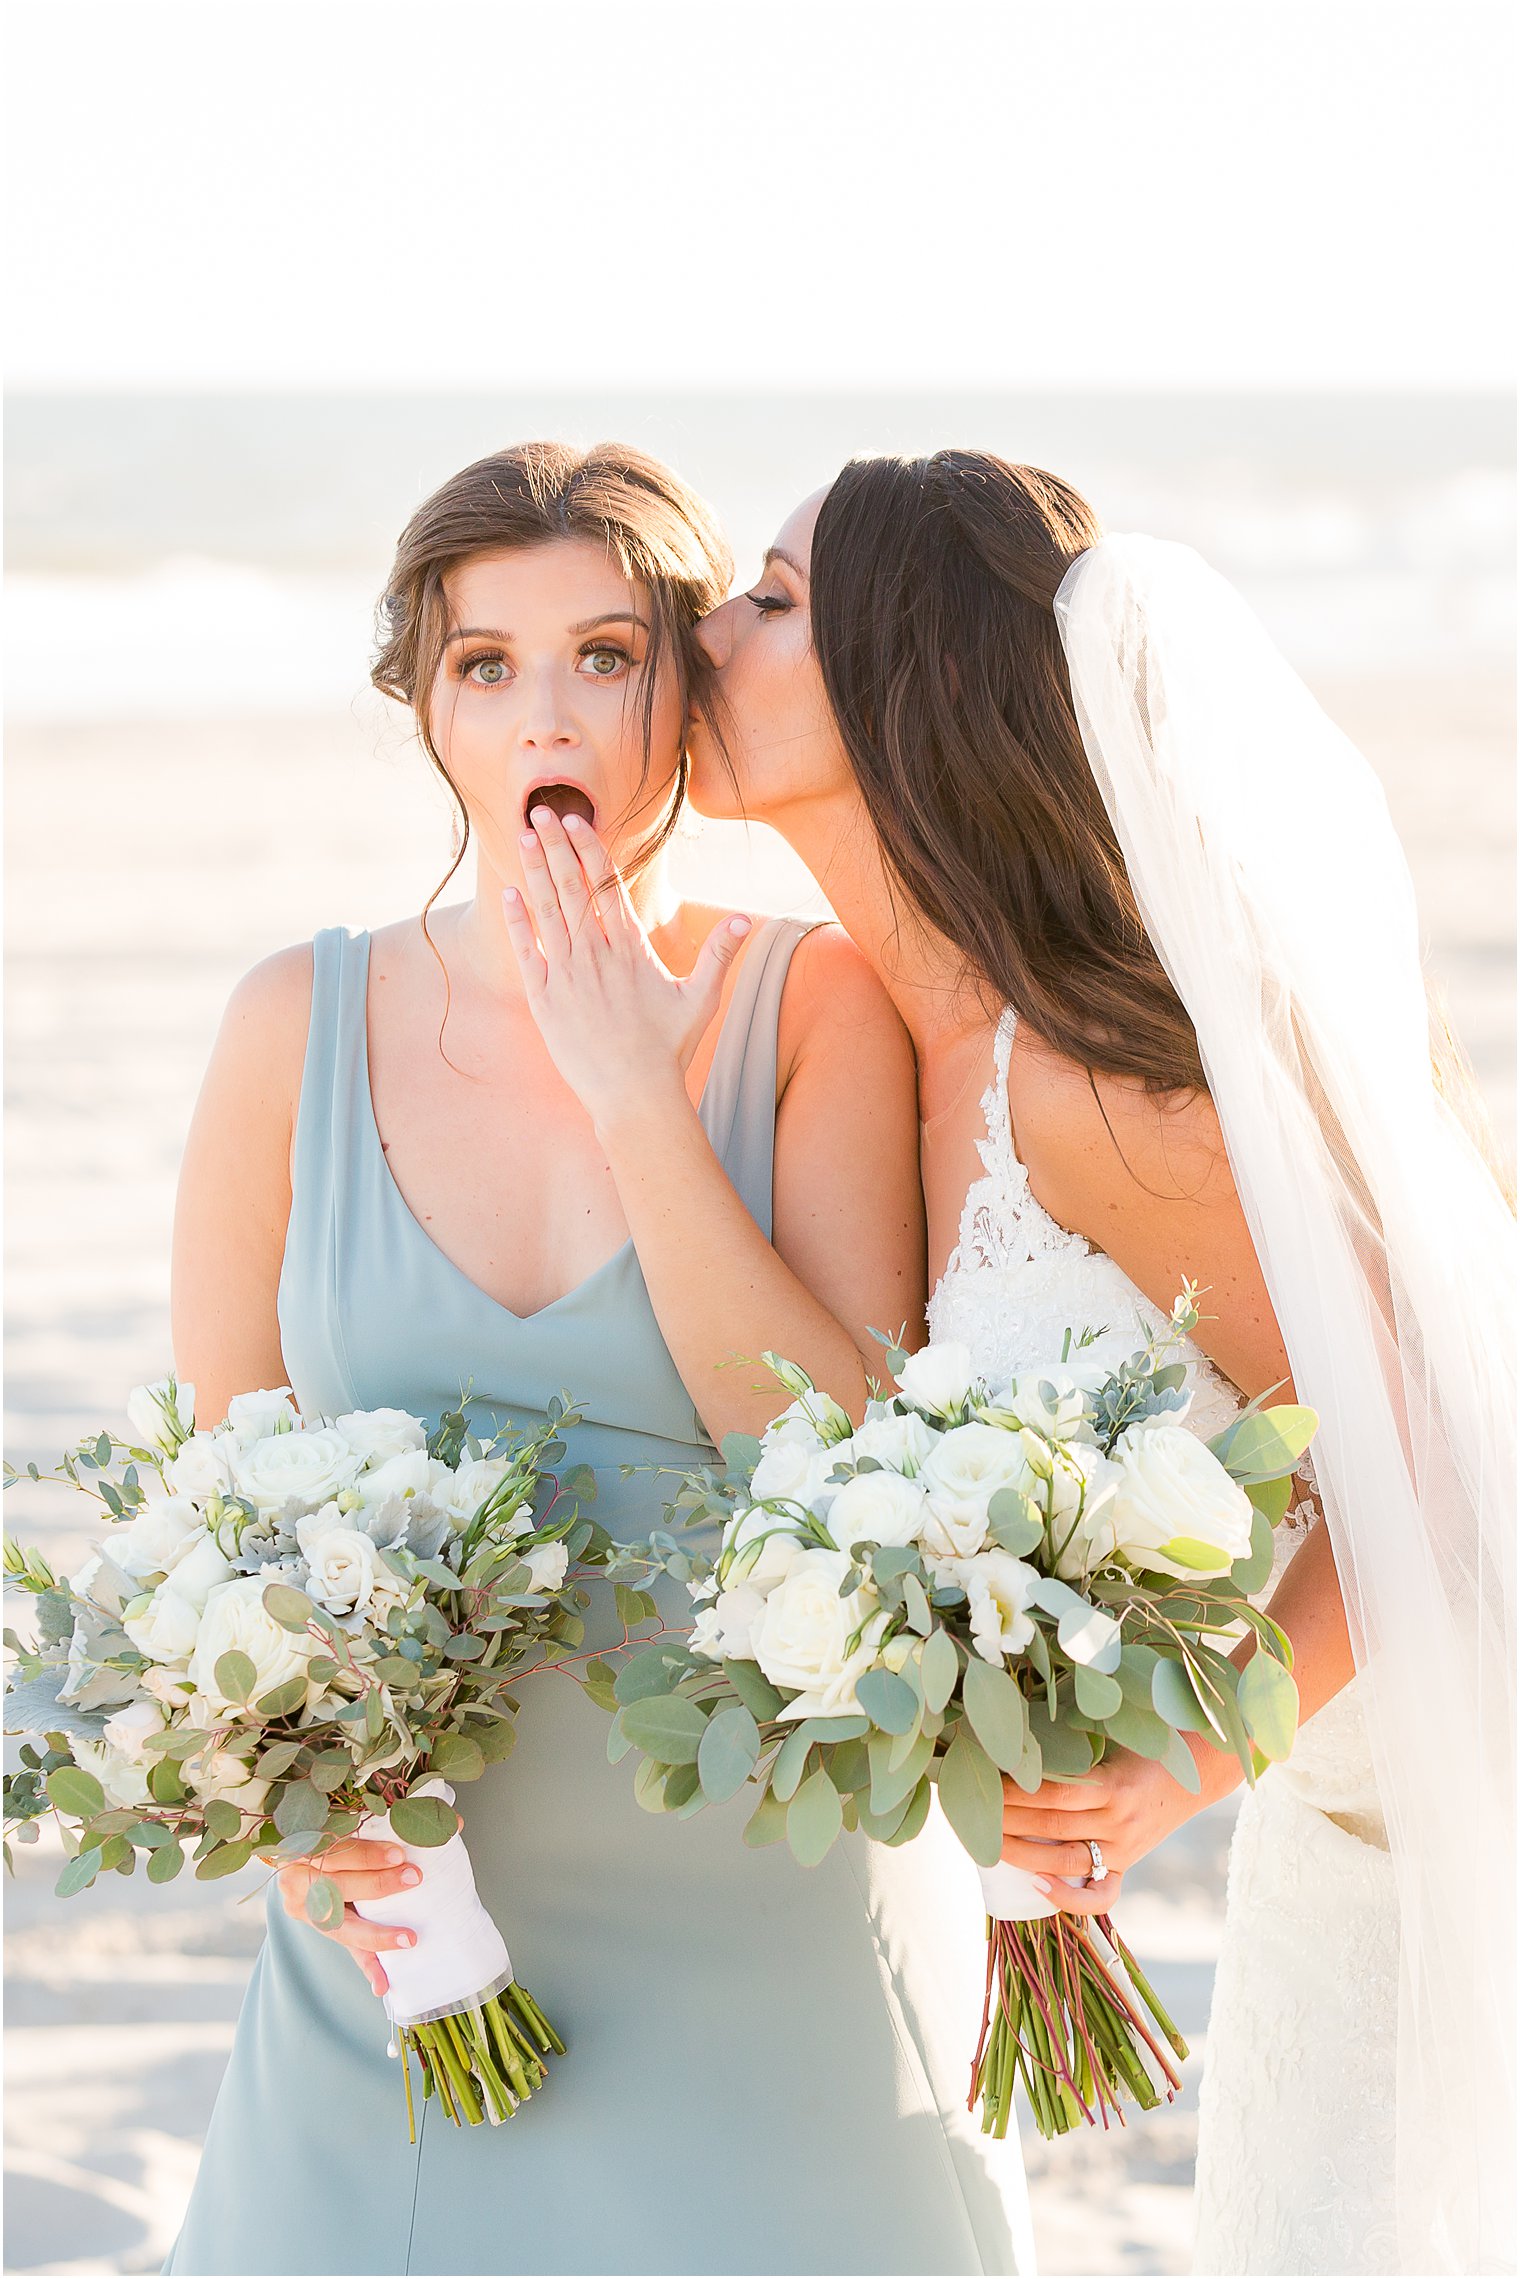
[460,1959]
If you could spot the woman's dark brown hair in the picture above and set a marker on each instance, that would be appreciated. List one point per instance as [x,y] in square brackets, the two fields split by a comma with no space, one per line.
[932,589]
[660,534]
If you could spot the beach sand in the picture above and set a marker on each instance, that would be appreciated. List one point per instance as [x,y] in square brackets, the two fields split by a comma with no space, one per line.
[149,866]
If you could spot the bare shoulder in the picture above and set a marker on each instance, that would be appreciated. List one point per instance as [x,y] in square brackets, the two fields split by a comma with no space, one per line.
[833,1000]
[261,1045]
[1097,1144]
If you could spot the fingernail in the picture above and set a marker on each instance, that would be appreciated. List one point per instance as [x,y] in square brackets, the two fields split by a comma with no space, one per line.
[575,822]
[1041,1883]
[408,1938]
[528,839]
[411,1875]
[738,925]
[540,816]
[392,1856]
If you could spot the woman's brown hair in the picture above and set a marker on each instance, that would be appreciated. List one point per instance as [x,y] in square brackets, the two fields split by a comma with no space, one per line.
[932,589]
[661,535]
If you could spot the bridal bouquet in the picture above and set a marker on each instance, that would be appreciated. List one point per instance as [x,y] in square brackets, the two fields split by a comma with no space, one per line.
[978,1581]
[295,1630]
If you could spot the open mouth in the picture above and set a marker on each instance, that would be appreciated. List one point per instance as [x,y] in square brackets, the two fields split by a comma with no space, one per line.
[564,798]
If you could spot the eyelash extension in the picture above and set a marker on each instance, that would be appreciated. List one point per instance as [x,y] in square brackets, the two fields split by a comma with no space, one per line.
[767,604]
[607,648]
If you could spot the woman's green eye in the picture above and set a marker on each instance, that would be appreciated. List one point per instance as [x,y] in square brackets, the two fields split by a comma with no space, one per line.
[489,671]
[604,662]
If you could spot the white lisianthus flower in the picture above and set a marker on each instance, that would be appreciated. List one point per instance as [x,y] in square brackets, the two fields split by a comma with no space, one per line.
[998,1590]
[413,1473]
[795,1471]
[901,1443]
[804,1636]
[963,1474]
[878,1507]
[151,1540]
[254,1416]
[898,1652]
[814,1419]
[548,1564]
[162,1414]
[462,1493]
[125,1783]
[759,1548]
[132,1727]
[724,1631]
[341,1567]
[939,1378]
[236,1620]
[376,1435]
[1053,1402]
[1172,1490]
[300,1467]
[202,1468]
[166,1628]
[1079,1549]
[198,1567]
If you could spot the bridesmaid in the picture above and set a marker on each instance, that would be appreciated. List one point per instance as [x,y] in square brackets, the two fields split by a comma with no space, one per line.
[574,1133]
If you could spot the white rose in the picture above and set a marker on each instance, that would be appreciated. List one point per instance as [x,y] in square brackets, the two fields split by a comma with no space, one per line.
[235,1620]
[198,1567]
[940,1378]
[149,1542]
[218,1773]
[125,1783]
[342,1565]
[901,1443]
[254,1416]
[166,1628]
[202,1468]
[161,1415]
[131,1727]
[1173,1490]
[878,1507]
[299,1467]
[802,1635]
[375,1435]
[168,1683]
[759,1546]
[998,1589]
[547,1565]
[413,1473]
[724,1631]
[795,1471]
[1079,1549]
[965,1471]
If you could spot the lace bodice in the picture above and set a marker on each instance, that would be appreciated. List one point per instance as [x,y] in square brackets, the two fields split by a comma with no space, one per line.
[1017,1281]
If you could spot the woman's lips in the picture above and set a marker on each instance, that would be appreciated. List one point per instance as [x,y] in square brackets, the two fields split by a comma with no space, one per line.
[563,798]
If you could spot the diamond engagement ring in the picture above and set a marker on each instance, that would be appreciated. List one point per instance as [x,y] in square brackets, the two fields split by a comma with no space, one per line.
[1096,1850]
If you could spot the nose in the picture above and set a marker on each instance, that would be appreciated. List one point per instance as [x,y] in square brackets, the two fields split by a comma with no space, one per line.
[545,723]
[715,633]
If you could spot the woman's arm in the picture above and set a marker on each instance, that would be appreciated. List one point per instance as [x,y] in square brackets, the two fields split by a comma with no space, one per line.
[849,1247]
[233,1202]
[1149,1181]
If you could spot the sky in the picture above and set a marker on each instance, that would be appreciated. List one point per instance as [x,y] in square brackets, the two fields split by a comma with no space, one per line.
[1189,194]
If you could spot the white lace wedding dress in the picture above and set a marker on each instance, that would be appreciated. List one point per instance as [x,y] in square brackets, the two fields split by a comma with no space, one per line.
[1296,2105]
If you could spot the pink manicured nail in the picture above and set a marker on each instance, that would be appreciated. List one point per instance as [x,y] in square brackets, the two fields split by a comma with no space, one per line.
[738,925]
[411,1875]
[1041,1883]
[529,839]
[408,1938]
[575,822]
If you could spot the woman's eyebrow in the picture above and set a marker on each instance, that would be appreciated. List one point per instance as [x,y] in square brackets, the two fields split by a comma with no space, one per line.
[611,617]
[779,554]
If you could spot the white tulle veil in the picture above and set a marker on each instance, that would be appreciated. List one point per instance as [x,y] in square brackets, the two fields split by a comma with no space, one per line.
[1275,891]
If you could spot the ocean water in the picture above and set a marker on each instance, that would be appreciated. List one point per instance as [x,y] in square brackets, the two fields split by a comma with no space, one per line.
[211,556]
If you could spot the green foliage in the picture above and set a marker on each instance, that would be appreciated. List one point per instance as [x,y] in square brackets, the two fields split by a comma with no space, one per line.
[424,1820]
[814,1819]
[971,1794]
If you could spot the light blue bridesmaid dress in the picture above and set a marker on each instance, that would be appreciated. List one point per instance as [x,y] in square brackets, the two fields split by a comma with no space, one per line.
[767,2066]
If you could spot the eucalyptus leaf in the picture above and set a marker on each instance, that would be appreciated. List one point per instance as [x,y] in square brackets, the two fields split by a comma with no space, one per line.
[235,1674]
[766,1824]
[324,1903]
[997,1712]
[79,1872]
[1098,1695]
[754,1689]
[915,1816]
[1254,1572]
[1268,1701]
[165,1863]
[1015,1522]
[618,1743]
[938,1669]
[76,1792]
[222,1818]
[814,1819]
[891,1783]
[649,1786]
[422,1820]
[300,1807]
[668,1727]
[790,1760]
[728,1752]
[457,1757]
[283,1698]
[971,1793]
[1264,1446]
[291,1609]
[225,1860]
[1173,1698]
[682,1784]
[646,1673]
[889,1701]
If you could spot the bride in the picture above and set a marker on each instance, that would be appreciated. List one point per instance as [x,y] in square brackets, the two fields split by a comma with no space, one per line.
[1143,913]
